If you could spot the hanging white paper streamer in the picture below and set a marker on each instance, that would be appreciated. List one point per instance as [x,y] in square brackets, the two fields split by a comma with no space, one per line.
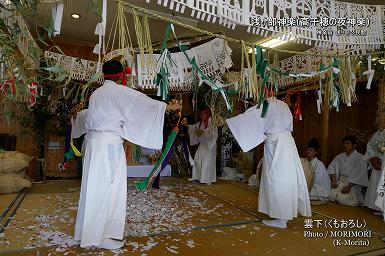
[100,30]
[320,96]
[318,107]
[212,57]
[78,69]
[336,70]
[352,86]
[96,48]
[322,75]
[232,12]
[57,16]
[319,101]
[369,73]
[41,90]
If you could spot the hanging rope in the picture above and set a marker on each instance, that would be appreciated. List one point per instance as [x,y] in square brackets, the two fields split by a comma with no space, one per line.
[148,44]
[139,35]
[120,32]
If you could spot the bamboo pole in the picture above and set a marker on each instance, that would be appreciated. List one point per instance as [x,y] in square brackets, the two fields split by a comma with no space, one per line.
[308,85]
[325,129]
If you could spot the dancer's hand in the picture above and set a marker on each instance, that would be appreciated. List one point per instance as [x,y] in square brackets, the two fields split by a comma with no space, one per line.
[76,109]
[174,106]
[184,122]
[199,132]
[376,162]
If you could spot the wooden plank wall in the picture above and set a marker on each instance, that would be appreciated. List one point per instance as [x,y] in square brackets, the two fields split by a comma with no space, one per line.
[83,51]
[25,142]
[53,157]
[360,116]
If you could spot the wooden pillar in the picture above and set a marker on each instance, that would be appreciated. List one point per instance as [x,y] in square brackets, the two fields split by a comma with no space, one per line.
[381,105]
[325,130]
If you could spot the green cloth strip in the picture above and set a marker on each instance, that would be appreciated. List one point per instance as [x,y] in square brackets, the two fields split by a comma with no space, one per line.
[143,184]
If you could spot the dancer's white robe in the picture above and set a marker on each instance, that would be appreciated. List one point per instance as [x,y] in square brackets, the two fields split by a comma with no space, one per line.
[321,187]
[371,193]
[204,169]
[115,113]
[380,201]
[283,190]
[349,169]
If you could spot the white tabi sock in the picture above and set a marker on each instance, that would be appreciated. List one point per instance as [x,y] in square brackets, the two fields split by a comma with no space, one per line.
[111,244]
[277,223]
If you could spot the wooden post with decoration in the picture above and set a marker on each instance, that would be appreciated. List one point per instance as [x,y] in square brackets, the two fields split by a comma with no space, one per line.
[325,129]
[381,105]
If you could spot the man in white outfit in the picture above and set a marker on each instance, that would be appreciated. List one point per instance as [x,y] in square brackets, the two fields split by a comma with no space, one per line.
[283,192]
[321,186]
[348,174]
[204,133]
[374,156]
[115,113]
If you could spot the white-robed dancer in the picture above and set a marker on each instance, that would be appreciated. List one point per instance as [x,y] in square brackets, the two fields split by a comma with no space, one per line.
[283,192]
[115,113]
[348,172]
[375,157]
[380,201]
[321,187]
[205,134]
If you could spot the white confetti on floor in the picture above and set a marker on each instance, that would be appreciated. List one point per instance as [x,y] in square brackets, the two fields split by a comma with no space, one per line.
[149,212]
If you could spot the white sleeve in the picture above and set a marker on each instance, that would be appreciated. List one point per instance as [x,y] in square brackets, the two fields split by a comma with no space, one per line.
[191,132]
[321,176]
[143,119]
[210,135]
[333,167]
[359,174]
[79,124]
[370,152]
[248,128]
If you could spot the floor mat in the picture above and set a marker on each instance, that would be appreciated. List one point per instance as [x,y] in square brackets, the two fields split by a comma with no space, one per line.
[6,200]
[45,220]
[339,211]
[237,196]
[247,239]
[188,219]
[56,186]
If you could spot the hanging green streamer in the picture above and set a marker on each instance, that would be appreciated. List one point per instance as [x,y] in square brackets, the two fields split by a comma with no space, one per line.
[70,154]
[261,67]
[265,108]
[155,171]
[137,153]
[161,78]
